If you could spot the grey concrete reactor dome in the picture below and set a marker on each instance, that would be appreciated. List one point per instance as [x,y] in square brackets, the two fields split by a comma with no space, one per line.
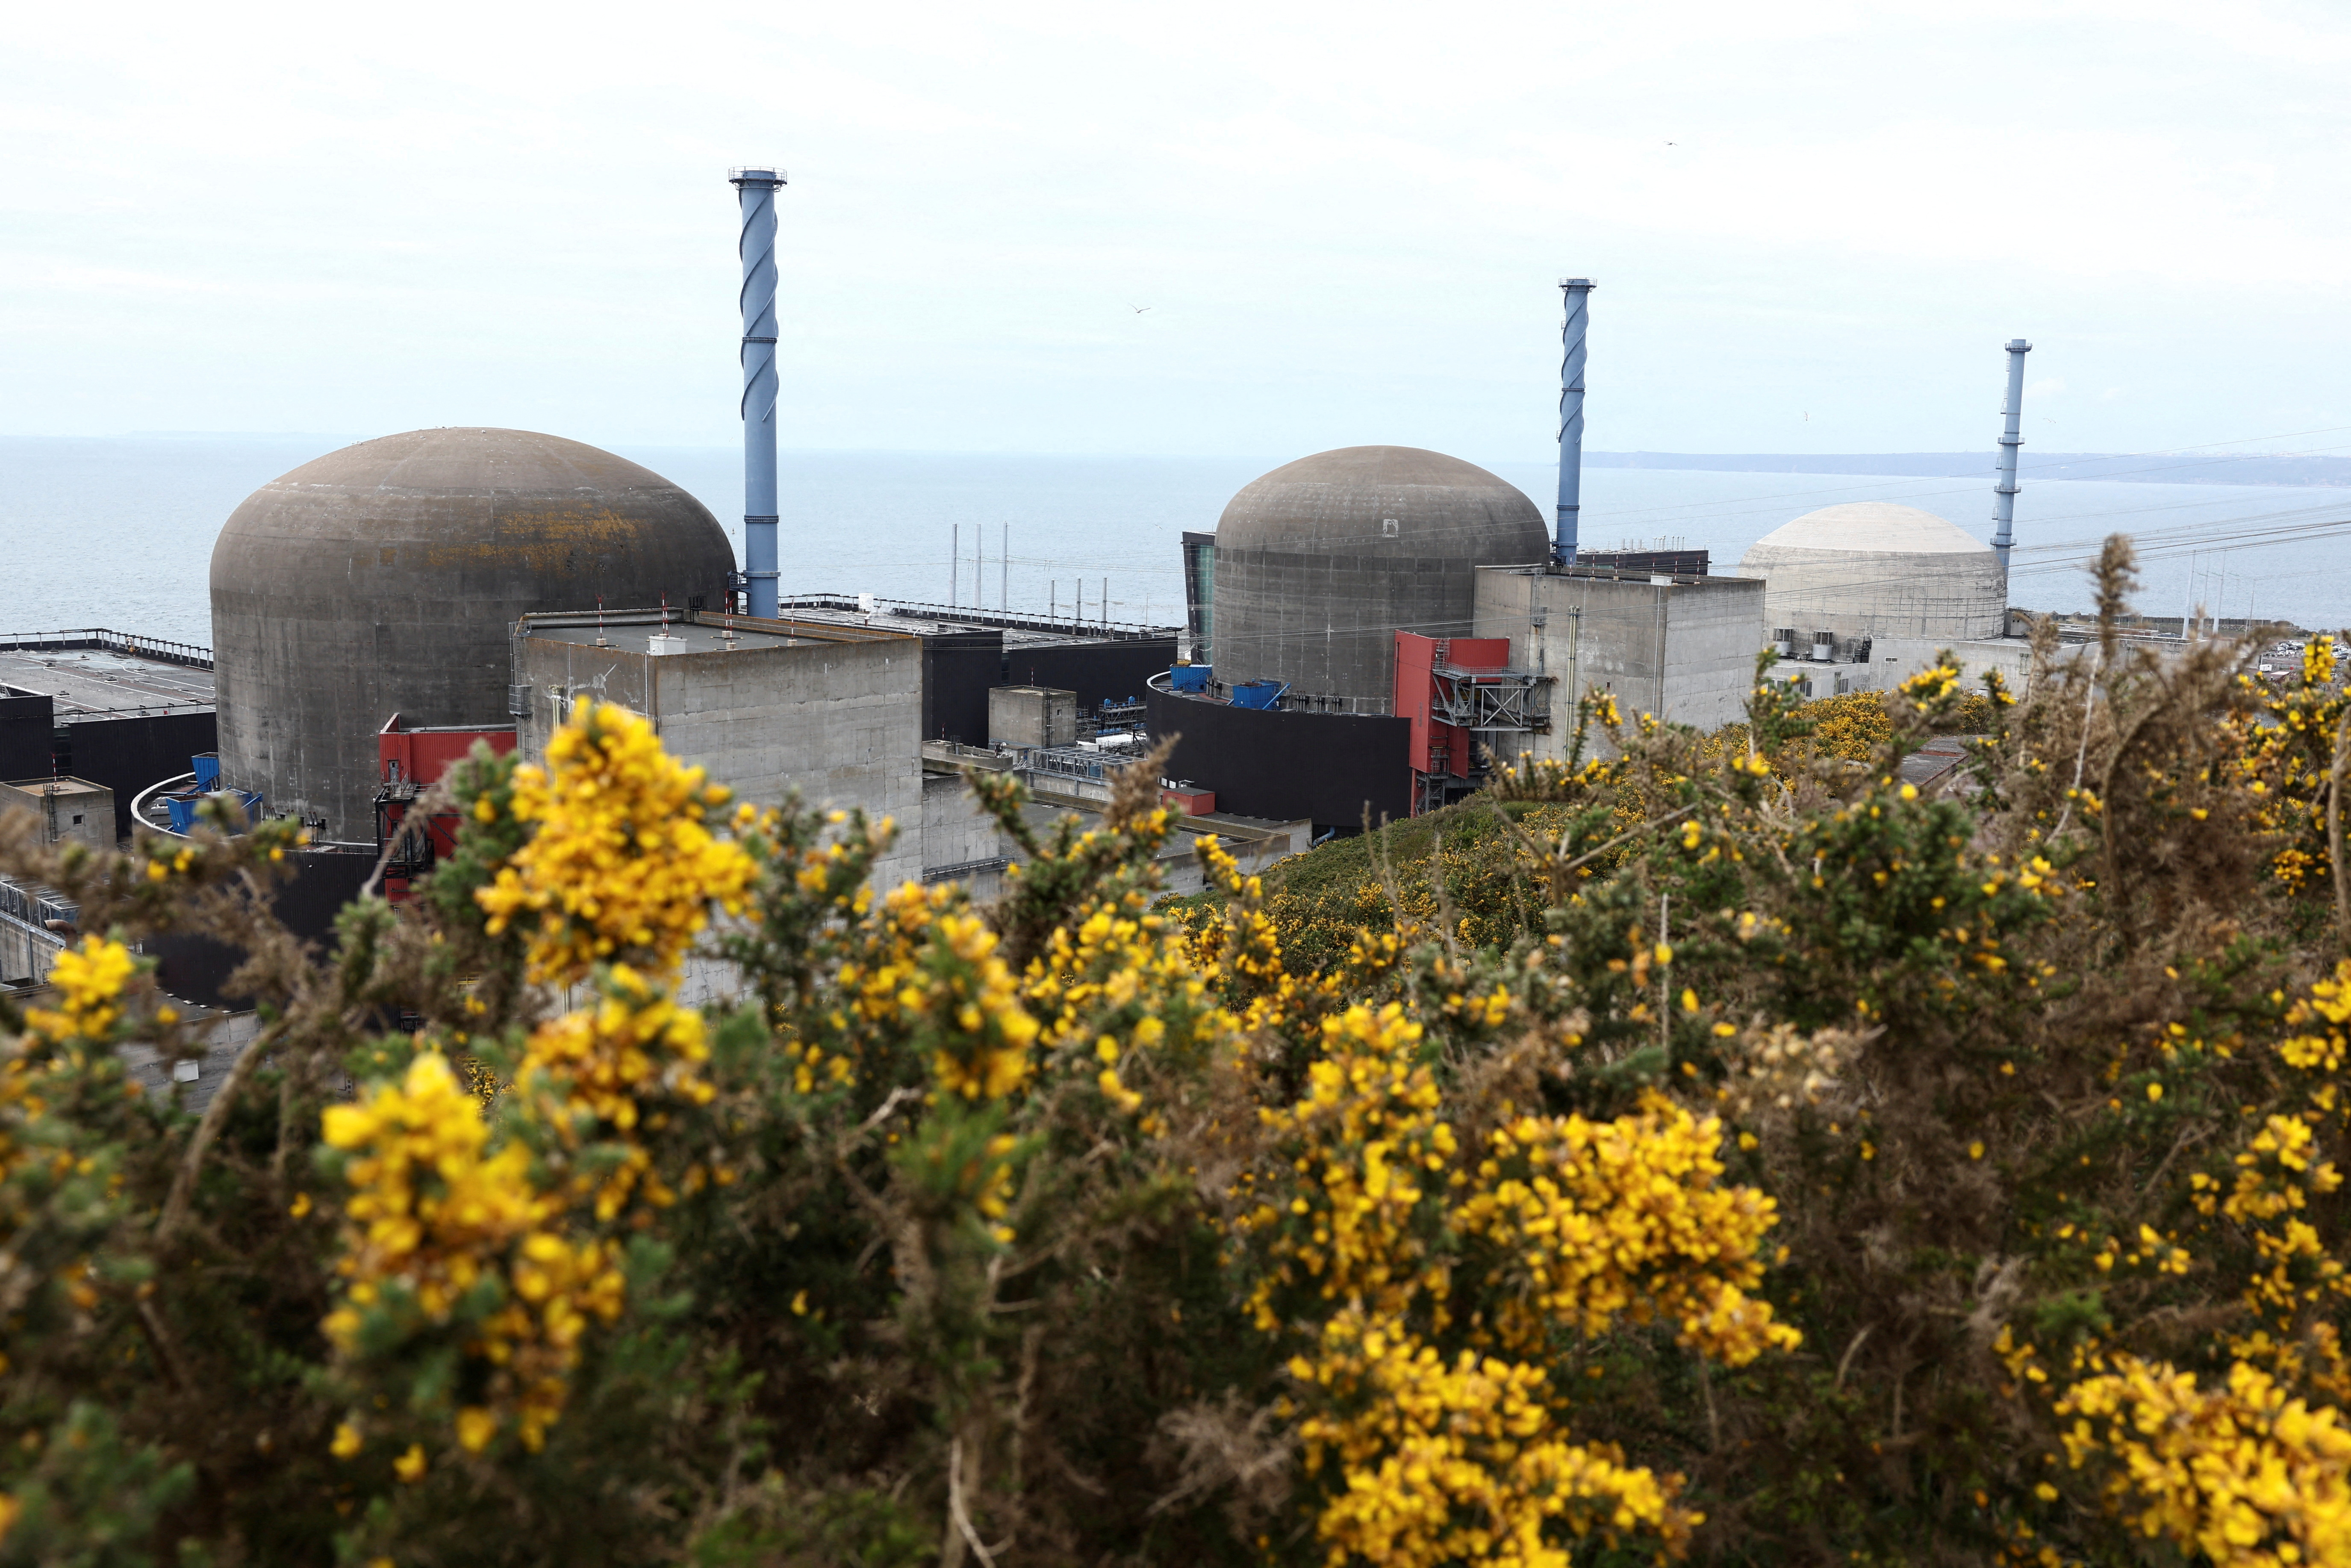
[1321,562]
[386,578]
[1876,569]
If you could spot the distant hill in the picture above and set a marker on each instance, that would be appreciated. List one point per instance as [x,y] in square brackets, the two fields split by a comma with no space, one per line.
[2143,467]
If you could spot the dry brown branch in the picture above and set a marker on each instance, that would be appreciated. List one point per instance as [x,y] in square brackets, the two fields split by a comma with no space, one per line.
[2335,835]
[183,1181]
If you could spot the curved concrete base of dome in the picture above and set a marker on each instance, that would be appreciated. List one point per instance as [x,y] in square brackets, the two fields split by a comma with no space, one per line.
[1881,594]
[1327,624]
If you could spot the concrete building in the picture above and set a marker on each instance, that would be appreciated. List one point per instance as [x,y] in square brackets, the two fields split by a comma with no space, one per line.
[1318,564]
[68,810]
[1893,660]
[36,925]
[1874,569]
[1681,647]
[114,708]
[968,652]
[830,712]
[963,843]
[1032,715]
[383,577]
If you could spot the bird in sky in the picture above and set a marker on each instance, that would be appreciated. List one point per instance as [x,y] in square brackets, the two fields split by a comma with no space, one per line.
[1138,309]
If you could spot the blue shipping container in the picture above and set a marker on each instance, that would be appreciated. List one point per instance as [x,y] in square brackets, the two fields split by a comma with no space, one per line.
[1259,693]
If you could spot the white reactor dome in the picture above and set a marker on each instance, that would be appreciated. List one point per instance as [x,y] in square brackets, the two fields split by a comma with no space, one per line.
[1874,569]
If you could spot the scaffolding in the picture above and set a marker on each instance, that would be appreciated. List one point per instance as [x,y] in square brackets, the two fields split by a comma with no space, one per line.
[1502,702]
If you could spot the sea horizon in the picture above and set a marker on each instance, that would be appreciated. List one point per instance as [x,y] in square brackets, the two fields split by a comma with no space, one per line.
[143,511]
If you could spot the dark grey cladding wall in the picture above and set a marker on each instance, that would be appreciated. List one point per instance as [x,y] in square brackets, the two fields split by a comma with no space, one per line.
[126,754]
[1327,767]
[1312,585]
[384,579]
[195,967]
[958,670]
[25,730]
[1097,672]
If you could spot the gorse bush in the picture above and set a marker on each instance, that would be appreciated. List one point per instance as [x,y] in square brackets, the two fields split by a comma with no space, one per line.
[1720,1151]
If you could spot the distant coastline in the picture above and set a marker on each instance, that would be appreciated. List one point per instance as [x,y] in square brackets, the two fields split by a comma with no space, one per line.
[2139,467]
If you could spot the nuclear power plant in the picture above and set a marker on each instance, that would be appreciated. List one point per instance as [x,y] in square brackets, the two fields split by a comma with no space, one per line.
[1363,630]
[1368,626]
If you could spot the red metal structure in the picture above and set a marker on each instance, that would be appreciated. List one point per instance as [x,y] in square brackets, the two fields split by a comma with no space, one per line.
[1459,692]
[412,759]
[1189,799]
[420,753]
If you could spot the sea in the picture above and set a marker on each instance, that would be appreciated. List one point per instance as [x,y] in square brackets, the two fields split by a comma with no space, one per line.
[119,532]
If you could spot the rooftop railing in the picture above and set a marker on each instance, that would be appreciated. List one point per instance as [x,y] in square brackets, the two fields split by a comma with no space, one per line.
[161,649]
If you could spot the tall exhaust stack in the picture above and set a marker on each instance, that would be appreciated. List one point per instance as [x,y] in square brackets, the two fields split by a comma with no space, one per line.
[1578,292]
[757,246]
[2004,509]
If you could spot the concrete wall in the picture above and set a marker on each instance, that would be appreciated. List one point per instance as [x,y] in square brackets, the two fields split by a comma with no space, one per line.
[1714,630]
[1890,594]
[840,722]
[195,1082]
[27,952]
[1032,715]
[956,832]
[1896,659]
[1326,623]
[1685,651]
[68,809]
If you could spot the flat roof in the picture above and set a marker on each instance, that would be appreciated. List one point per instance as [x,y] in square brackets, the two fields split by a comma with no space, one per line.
[941,620]
[67,786]
[700,632]
[1637,576]
[84,684]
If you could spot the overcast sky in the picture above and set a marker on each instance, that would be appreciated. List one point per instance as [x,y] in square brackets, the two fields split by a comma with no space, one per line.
[1813,225]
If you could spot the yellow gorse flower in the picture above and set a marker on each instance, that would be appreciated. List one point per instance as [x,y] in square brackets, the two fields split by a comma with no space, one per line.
[1462,1462]
[431,1219]
[89,981]
[624,866]
[1583,1224]
[1597,1222]
[2244,1474]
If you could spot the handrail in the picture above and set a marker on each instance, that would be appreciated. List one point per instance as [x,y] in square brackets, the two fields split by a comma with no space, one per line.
[139,805]
[161,649]
[1066,626]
